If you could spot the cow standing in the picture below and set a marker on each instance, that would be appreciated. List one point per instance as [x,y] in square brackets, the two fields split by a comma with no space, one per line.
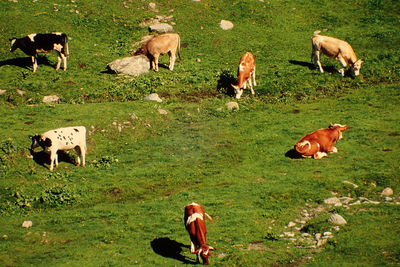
[337,49]
[43,43]
[246,72]
[320,142]
[195,225]
[62,139]
[160,45]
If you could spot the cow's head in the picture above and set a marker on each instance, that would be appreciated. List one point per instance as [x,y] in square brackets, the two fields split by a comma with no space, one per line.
[238,91]
[203,252]
[13,45]
[339,127]
[357,67]
[39,141]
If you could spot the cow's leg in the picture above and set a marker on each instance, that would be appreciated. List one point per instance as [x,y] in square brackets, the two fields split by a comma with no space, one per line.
[78,150]
[320,155]
[34,62]
[251,84]
[172,59]
[53,158]
[58,61]
[316,56]
[64,58]
[334,150]
[343,63]
[254,76]
[156,62]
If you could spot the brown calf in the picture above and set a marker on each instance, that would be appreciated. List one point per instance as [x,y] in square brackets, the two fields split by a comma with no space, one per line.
[320,142]
[246,72]
[196,226]
[337,49]
[160,45]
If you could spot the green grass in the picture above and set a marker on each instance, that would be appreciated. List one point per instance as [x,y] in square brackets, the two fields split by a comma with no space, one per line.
[126,206]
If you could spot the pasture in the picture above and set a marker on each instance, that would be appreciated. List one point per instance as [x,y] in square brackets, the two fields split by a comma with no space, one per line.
[126,206]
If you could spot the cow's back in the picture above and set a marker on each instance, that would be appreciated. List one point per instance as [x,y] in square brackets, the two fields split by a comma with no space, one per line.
[162,44]
[332,47]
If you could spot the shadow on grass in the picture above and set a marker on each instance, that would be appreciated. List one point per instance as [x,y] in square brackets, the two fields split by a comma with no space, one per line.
[293,154]
[225,82]
[170,249]
[26,62]
[311,66]
[43,158]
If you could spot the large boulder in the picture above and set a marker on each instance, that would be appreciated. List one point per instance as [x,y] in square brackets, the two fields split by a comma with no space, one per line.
[135,65]
[161,28]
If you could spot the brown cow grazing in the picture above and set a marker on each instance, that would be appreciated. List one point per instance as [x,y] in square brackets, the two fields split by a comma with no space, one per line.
[196,226]
[160,45]
[337,49]
[246,72]
[320,142]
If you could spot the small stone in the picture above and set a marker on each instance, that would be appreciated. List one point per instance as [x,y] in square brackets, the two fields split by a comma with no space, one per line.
[226,25]
[50,99]
[387,192]
[152,5]
[288,234]
[153,97]
[337,219]
[232,105]
[388,199]
[162,111]
[327,233]
[318,236]
[161,28]
[198,60]
[27,224]
[291,224]
[350,183]
[5,236]
[2,91]
[305,234]
[21,92]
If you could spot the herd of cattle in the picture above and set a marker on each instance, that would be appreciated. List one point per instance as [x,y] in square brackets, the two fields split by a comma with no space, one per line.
[316,144]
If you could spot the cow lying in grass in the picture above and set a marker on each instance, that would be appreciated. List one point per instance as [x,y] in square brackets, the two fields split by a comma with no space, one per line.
[62,139]
[160,45]
[196,226]
[337,49]
[43,43]
[246,72]
[320,142]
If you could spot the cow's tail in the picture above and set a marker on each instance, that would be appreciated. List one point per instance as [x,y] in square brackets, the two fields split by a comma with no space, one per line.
[209,218]
[179,48]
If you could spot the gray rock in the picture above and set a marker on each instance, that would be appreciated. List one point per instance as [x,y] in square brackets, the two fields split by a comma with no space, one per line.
[232,105]
[162,111]
[50,99]
[135,65]
[27,224]
[332,201]
[226,25]
[387,192]
[161,28]
[153,97]
[152,5]
[337,219]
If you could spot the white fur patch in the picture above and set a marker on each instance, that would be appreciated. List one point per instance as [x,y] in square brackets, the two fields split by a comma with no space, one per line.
[58,47]
[194,217]
[32,36]
[305,143]
[13,42]
[57,33]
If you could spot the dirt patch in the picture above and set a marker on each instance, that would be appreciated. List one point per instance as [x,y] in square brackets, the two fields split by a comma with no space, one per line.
[394,134]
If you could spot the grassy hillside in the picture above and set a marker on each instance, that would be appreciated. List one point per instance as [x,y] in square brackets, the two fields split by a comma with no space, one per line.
[126,206]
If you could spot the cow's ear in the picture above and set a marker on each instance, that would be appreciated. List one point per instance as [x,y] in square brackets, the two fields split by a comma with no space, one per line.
[47,142]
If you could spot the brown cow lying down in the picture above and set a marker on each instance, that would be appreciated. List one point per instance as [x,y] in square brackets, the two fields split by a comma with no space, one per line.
[160,45]
[320,142]
[337,49]
[196,226]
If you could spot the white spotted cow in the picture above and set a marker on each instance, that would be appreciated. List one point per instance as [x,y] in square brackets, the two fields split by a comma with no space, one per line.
[196,227]
[43,43]
[160,45]
[62,139]
[246,72]
[335,48]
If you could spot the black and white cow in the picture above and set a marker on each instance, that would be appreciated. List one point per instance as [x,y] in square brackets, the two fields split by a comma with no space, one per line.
[43,43]
[62,139]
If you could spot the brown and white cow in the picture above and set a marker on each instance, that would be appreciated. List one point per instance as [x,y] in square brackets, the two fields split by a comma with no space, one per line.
[43,43]
[246,72]
[196,226]
[335,48]
[160,45]
[320,142]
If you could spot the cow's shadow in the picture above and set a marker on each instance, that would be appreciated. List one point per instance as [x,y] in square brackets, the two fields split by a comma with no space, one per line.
[311,66]
[42,158]
[293,154]
[170,249]
[225,82]
[26,62]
